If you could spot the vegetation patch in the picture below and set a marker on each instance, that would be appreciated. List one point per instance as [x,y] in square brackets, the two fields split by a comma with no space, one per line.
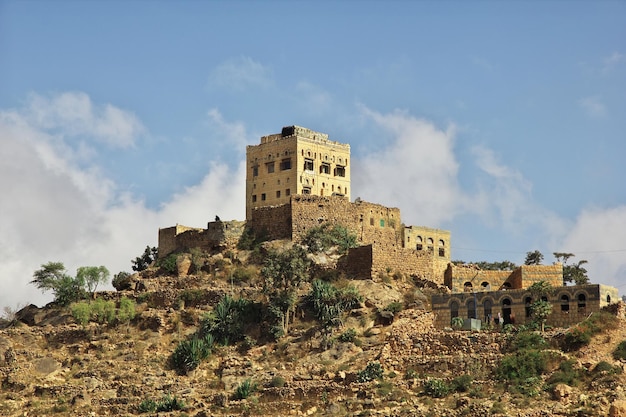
[372,371]
[580,335]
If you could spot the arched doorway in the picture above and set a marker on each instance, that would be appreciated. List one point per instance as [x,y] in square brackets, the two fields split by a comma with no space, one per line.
[506,310]
[471,309]
[487,307]
[454,309]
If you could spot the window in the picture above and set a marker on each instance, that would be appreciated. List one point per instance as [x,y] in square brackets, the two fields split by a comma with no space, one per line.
[442,252]
[308,165]
[565,303]
[306,190]
[471,309]
[270,167]
[371,221]
[255,171]
[278,194]
[287,191]
[487,306]
[528,306]
[467,287]
[254,198]
[454,309]
[285,164]
[263,197]
[582,303]
[340,171]
[325,169]
[382,222]
[419,247]
[486,286]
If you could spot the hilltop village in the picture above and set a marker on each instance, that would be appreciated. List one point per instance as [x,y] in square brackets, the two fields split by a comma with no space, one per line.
[299,179]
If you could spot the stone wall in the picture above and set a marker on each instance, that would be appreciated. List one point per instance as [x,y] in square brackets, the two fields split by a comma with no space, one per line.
[470,278]
[406,261]
[273,222]
[182,238]
[570,305]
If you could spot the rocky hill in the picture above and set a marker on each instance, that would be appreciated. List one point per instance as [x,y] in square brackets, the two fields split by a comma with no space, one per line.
[383,357]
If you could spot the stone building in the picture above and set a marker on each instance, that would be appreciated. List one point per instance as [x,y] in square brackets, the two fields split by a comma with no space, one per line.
[570,304]
[297,161]
[218,234]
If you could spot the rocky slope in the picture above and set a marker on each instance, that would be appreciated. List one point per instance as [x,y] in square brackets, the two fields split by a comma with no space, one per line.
[50,365]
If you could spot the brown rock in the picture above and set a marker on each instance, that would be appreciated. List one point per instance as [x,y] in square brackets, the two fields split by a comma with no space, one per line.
[618,409]
[562,392]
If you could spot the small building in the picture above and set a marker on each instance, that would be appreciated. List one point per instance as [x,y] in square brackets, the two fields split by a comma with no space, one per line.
[570,305]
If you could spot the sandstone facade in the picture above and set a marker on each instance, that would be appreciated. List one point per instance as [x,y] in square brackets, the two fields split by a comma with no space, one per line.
[297,161]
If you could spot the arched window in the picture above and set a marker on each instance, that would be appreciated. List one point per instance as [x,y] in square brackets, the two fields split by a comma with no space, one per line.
[467,287]
[582,303]
[608,299]
[487,306]
[419,245]
[565,303]
[454,309]
[486,286]
[506,286]
[471,309]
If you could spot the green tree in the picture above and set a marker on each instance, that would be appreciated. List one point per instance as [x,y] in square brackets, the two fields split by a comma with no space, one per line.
[533,258]
[575,273]
[91,276]
[53,277]
[282,274]
[541,308]
[142,262]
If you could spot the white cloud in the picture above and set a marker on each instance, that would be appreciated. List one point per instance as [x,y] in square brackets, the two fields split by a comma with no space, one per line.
[599,236]
[593,106]
[416,172]
[234,133]
[241,73]
[76,115]
[56,209]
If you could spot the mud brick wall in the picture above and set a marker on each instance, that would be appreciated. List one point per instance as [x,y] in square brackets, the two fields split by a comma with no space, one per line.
[272,222]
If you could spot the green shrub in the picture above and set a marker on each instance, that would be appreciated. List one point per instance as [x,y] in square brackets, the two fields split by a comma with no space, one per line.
[566,374]
[147,406]
[605,367]
[457,322]
[81,312]
[620,351]
[192,297]
[411,374]
[243,274]
[395,307]
[227,320]
[521,365]
[348,336]
[581,334]
[528,340]
[462,383]
[329,302]
[277,381]
[322,238]
[127,310]
[190,353]
[169,263]
[372,371]
[245,389]
[168,403]
[103,311]
[436,388]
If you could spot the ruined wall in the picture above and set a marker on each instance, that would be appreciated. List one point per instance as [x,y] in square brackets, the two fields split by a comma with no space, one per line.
[570,305]
[182,238]
[272,222]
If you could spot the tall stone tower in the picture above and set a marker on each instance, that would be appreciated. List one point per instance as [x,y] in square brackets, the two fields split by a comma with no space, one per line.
[295,161]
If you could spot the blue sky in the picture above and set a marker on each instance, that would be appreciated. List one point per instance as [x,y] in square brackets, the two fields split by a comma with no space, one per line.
[502,122]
